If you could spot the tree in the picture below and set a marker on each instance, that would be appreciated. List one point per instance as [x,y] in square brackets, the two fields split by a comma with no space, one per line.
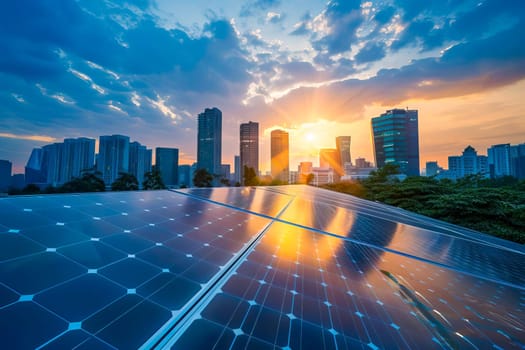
[310,178]
[249,176]
[31,189]
[125,182]
[89,182]
[153,181]
[202,178]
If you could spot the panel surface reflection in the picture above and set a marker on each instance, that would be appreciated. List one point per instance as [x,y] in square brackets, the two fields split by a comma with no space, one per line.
[303,290]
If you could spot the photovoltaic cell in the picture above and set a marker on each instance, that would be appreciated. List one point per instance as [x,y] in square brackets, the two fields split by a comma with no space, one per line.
[290,267]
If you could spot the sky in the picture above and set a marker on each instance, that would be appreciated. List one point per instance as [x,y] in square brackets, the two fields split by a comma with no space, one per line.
[319,69]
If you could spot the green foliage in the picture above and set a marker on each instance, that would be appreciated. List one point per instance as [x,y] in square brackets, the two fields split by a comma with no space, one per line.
[250,177]
[153,181]
[496,207]
[88,182]
[202,178]
[354,188]
[125,182]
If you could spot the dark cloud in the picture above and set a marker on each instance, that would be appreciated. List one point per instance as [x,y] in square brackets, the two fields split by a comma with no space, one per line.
[343,19]
[372,51]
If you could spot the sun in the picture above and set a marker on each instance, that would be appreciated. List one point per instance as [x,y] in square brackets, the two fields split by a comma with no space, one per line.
[309,136]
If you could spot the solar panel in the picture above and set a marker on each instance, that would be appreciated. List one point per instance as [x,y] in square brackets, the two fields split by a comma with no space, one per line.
[291,267]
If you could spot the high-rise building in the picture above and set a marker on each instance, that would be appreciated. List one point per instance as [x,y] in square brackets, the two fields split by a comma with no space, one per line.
[113,157]
[342,144]
[209,138]
[432,168]
[249,147]
[280,162]
[362,163]
[225,174]
[52,163]
[396,140]
[6,168]
[77,155]
[517,161]
[139,161]
[469,163]
[328,158]
[18,181]
[167,162]
[237,165]
[34,169]
[499,160]
[185,176]
[303,170]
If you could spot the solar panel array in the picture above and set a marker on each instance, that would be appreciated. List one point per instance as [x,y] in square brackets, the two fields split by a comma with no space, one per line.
[290,267]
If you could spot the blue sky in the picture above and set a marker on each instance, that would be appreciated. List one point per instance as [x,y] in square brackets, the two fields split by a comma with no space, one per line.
[146,68]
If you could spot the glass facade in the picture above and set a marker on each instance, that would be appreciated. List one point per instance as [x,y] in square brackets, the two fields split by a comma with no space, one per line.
[209,140]
[396,140]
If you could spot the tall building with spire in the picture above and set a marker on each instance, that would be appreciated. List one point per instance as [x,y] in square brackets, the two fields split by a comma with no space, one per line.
[396,140]
[249,147]
[209,140]
[280,153]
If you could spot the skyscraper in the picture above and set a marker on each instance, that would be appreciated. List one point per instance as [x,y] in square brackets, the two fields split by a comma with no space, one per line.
[113,157]
[396,140]
[167,162]
[329,158]
[185,176]
[249,147]
[5,175]
[499,160]
[52,163]
[237,166]
[34,169]
[77,155]
[517,161]
[139,161]
[209,138]
[280,162]
[343,149]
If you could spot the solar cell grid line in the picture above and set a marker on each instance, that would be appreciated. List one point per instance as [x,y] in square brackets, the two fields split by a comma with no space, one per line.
[509,262]
[492,261]
[302,309]
[426,306]
[398,215]
[53,275]
[165,337]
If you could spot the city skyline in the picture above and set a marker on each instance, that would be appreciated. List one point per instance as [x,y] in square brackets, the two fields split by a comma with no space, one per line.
[304,67]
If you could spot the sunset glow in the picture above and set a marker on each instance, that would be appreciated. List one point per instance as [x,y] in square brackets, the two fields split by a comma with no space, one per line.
[316,69]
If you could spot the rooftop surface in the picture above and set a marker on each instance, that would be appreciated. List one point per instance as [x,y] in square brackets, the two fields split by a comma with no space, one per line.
[291,267]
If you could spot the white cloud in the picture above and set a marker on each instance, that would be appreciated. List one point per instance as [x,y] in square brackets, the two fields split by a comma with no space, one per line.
[160,104]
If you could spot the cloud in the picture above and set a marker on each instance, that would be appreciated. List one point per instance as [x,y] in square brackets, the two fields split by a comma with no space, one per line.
[274,17]
[337,26]
[373,51]
[39,138]
[252,7]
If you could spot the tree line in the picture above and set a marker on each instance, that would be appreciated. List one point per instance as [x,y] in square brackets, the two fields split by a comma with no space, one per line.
[492,206]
